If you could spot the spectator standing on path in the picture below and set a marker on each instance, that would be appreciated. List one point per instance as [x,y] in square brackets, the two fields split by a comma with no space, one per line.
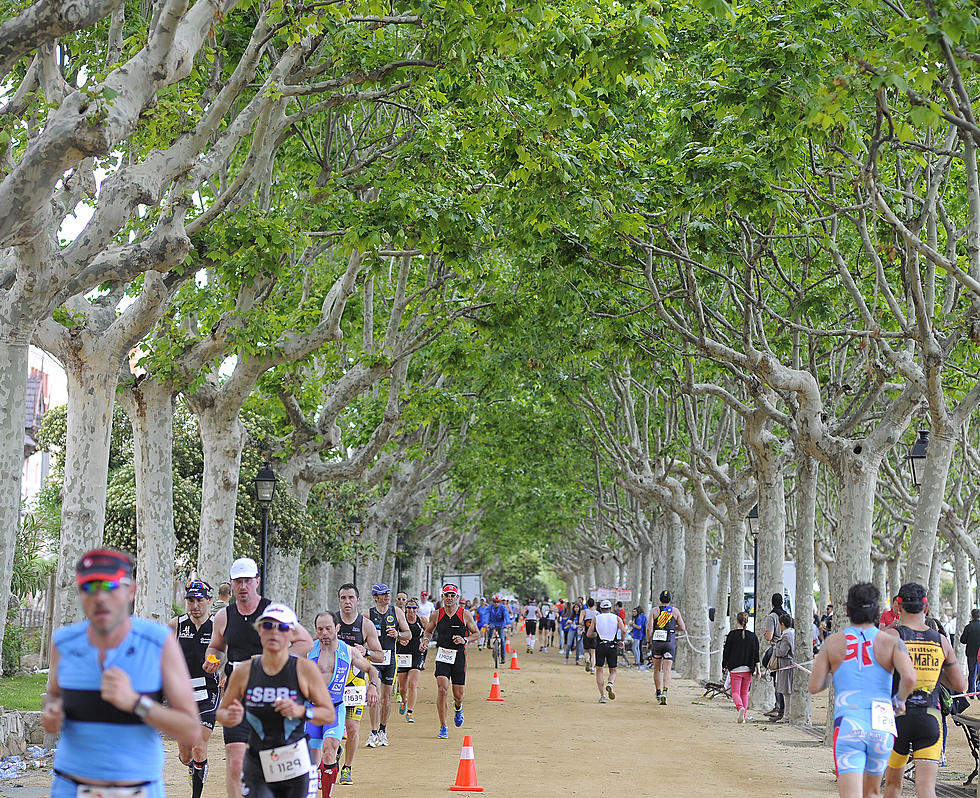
[771,632]
[783,651]
[861,661]
[107,679]
[971,639]
[919,730]
[234,629]
[224,597]
[572,633]
[426,607]
[826,620]
[740,659]
[638,631]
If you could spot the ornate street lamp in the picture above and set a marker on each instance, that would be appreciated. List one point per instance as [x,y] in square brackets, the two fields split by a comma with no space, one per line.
[917,457]
[265,490]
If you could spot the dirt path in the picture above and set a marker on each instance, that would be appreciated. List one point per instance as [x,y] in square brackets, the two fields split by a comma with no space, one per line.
[552,739]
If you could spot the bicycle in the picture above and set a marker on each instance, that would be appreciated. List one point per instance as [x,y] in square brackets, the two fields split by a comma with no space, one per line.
[497,646]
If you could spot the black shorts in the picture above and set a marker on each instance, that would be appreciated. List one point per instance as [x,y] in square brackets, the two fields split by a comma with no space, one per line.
[662,649]
[254,784]
[208,710]
[456,671]
[415,666]
[387,672]
[919,734]
[589,643]
[531,627]
[606,654]
[547,624]
[238,734]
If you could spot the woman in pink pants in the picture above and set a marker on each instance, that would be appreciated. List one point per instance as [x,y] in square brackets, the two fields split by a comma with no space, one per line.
[740,659]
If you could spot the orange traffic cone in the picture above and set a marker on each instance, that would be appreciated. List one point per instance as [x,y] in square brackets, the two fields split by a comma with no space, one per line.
[507,645]
[513,661]
[495,688]
[466,774]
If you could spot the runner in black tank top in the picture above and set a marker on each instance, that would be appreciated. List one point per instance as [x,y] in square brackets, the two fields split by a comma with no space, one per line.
[193,631]
[270,693]
[454,627]
[410,662]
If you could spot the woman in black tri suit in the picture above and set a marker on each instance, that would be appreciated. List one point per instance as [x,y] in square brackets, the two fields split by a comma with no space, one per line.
[409,662]
[270,693]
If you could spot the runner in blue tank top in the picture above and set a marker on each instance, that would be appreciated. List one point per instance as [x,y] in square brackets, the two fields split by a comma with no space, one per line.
[109,675]
[862,662]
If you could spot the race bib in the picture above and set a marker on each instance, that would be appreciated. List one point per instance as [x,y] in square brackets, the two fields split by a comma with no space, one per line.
[447,655]
[286,761]
[659,634]
[403,660]
[883,717]
[385,657]
[91,791]
[355,695]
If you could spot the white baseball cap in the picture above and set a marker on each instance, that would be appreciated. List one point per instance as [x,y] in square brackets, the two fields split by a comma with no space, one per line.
[605,604]
[279,612]
[244,568]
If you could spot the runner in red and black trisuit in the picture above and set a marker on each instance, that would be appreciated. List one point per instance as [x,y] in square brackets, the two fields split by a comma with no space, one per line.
[451,625]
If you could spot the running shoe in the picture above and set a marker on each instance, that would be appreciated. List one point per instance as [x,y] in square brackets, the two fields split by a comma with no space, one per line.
[345,777]
[458,717]
[588,667]
[663,699]
[382,738]
[602,700]
[401,708]
[443,733]
[609,691]
[409,717]
[372,741]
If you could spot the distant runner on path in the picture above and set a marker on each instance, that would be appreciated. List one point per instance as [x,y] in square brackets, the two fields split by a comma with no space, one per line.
[665,622]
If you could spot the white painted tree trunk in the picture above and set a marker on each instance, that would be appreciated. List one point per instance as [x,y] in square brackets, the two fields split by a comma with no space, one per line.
[735,538]
[856,483]
[315,595]
[693,597]
[929,507]
[149,405]
[880,579]
[721,602]
[92,380]
[823,579]
[222,438]
[676,555]
[643,597]
[772,528]
[13,390]
[894,579]
[964,600]
[932,585]
[806,510]
[282,576]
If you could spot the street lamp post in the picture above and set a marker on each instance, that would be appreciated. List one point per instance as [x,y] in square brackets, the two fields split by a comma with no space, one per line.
[399,545]
[753,516]
[427,559]
[355,533]
[265,490]
[917,457]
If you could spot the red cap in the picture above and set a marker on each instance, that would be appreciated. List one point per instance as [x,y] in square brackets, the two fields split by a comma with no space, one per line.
[450,589]
[103,565]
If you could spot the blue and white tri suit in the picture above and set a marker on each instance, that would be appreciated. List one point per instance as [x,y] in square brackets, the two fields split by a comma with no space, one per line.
[342,669]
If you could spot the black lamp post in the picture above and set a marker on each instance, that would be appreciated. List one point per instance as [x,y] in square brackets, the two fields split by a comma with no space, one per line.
[399,545]
[355,533]
[917,457]
[752,517]
[427,559]
[265,490]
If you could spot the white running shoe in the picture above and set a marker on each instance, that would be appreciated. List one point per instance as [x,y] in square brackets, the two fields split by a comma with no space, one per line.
[372,741]
[382,738]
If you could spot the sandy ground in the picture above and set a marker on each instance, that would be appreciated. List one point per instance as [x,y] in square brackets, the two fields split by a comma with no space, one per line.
[551,738]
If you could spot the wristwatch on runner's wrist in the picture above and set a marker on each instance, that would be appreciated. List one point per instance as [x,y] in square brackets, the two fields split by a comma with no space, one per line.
[309,713]
[142,707]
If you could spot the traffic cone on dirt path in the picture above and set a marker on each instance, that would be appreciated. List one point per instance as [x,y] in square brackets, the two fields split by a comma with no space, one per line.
[507,645]
[495,688]
[466,773]
[513,661]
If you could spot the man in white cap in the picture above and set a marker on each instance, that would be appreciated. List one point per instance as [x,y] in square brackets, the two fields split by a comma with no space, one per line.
[234,631]
[604,629]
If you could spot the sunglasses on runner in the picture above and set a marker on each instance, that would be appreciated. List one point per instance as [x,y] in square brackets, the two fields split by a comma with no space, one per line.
[270,625]
[412,607]
[103,585]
